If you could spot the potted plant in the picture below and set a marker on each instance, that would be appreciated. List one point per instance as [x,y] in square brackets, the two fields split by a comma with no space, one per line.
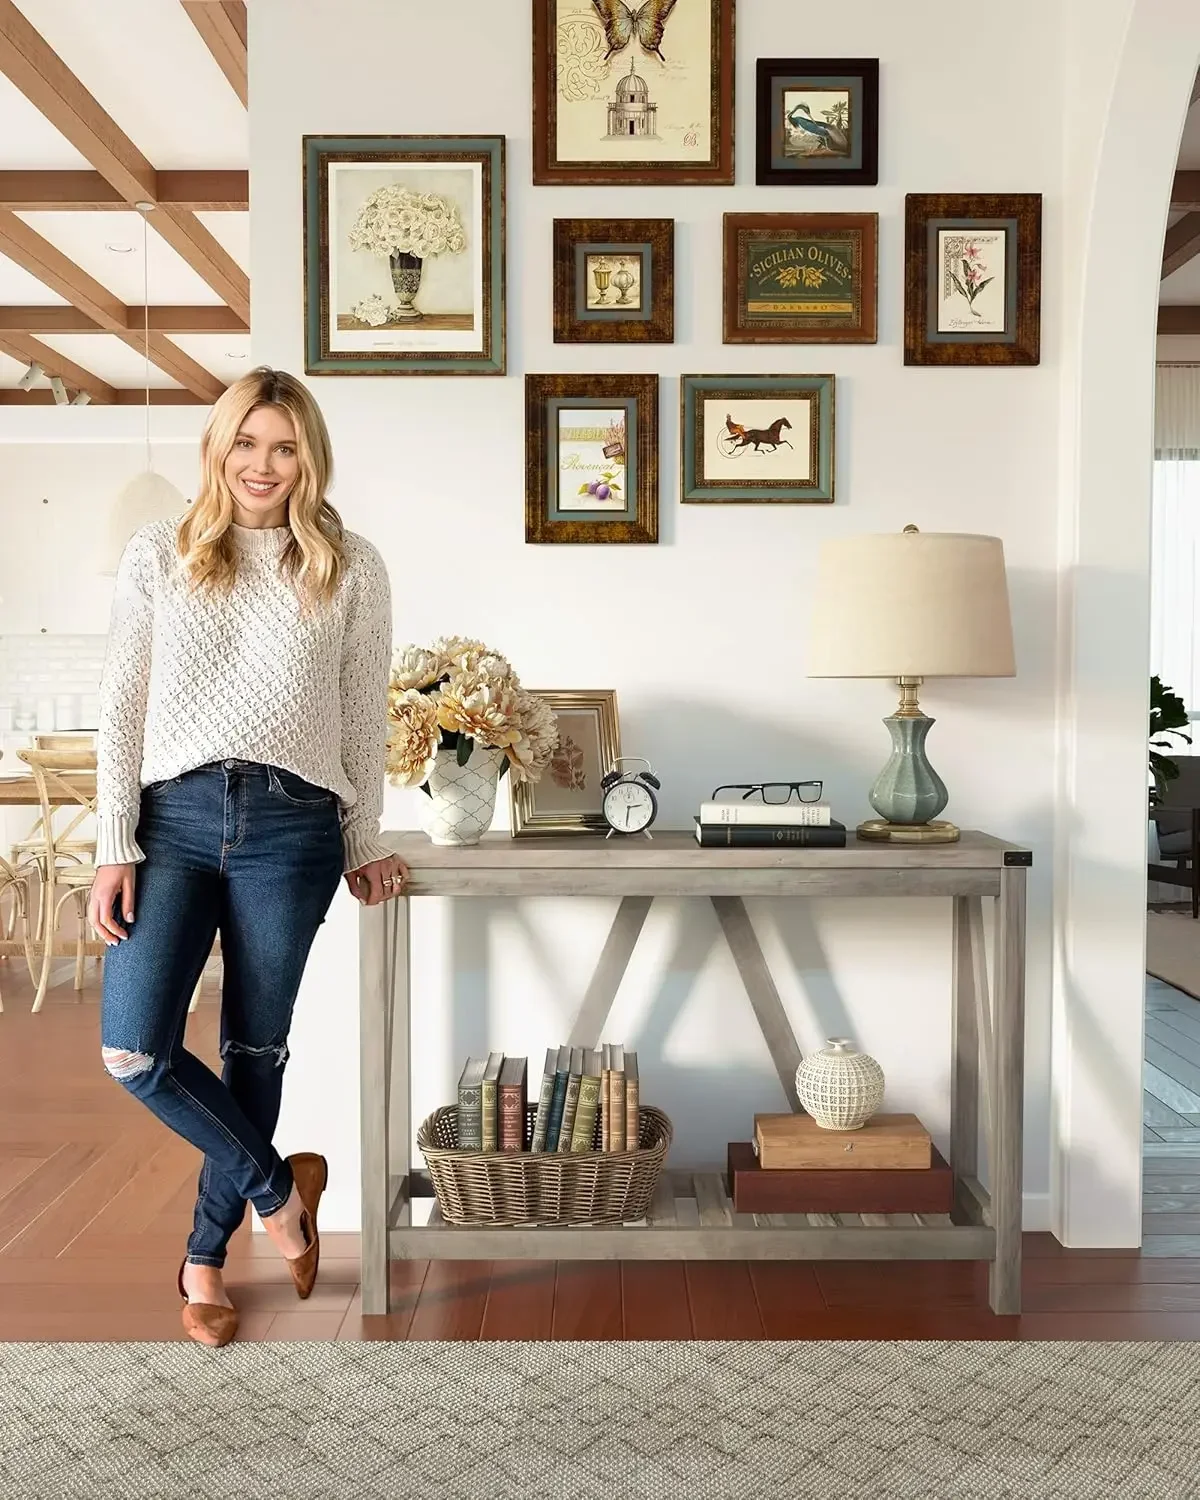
[458,719]
[406,227]
[1168,720]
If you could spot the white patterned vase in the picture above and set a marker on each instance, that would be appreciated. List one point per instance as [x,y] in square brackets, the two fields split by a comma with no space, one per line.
[839,1086]
[461,799]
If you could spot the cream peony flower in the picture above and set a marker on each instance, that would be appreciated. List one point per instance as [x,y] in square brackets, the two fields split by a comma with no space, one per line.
[485,712]
[530,753]
[414,667]
[413,735]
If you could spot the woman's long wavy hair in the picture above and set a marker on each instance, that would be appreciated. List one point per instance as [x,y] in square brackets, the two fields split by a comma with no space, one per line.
[314,557]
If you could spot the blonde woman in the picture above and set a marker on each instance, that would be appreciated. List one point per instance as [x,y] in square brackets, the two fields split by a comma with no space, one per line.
[240,774]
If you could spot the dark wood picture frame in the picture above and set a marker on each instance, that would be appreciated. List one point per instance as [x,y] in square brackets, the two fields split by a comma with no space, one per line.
[813,250]
[698,486]
[549,170]
[1019,216]
[319,152]
[544,396]
[859,76]
[652,243]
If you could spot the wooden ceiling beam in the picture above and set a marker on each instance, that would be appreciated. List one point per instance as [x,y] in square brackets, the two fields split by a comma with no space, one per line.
[1182,242]
[21,347]
[1178,318]
[172,361]
[54,90]
[222,24]
[123,396]
[1185,194]
[163,319]
[53,269]
[85,191]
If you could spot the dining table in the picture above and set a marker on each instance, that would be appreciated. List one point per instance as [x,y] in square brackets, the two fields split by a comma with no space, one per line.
[21,791]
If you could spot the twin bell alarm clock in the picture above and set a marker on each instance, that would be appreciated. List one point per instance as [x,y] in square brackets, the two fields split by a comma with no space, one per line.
[629,805]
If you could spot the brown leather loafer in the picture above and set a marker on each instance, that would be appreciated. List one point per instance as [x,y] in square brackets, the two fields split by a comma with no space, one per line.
[311,1172]
[207,1322]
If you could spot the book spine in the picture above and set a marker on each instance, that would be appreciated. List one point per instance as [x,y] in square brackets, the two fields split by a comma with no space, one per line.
[542,1116]
[512,1118]
[632,1118]
[584,1131]
[487,1108]
[605,1109]
[557,1101]
[570,1106]
[470,1117]
[777,815]
[748,836]
[616,1131]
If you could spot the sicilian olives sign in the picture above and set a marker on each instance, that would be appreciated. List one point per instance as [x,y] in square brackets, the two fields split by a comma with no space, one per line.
[802,279]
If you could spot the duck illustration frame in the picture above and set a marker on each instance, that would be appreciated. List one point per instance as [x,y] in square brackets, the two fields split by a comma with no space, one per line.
[817,122]
[437,312]
[637,92]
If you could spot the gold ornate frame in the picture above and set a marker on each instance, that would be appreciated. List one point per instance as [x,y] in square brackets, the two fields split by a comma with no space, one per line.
[526,820]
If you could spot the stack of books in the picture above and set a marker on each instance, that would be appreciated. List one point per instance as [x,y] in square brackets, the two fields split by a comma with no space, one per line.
[585,1093]
[751,825]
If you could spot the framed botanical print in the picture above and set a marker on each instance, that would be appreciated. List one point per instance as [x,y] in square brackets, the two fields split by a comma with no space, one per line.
[614,280]
[638,92]
[817,121]
[801,278]
[761,438]
[403,255]
[591,458]
[569,797]
[972,278]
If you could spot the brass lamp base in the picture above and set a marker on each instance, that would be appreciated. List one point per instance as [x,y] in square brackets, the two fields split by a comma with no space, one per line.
[880,831]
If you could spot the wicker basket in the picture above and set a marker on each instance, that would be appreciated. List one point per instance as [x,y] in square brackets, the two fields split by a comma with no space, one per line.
[542,1187]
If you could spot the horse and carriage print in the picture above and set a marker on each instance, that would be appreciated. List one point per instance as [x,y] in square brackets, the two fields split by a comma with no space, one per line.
[756,438]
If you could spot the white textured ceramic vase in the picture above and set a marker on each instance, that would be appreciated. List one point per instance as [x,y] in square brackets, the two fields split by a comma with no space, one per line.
[839,1086]
[462,799]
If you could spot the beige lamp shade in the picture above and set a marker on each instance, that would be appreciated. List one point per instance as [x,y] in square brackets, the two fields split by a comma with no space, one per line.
[147,497]
[911,604]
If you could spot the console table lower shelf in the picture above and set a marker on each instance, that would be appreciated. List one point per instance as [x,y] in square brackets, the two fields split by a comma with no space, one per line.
[692,1215]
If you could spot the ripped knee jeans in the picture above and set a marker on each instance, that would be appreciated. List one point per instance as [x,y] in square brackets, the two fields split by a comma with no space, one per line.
[254,853]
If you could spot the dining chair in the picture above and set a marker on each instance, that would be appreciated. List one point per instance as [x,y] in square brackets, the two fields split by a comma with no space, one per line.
[52,773]
[72,843]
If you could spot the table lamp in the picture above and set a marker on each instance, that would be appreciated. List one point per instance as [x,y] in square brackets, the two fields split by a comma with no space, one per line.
[911,605]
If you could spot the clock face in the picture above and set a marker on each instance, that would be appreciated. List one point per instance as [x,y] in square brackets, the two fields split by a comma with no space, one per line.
[629,806]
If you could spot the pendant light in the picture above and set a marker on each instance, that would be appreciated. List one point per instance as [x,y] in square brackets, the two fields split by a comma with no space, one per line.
[148,496]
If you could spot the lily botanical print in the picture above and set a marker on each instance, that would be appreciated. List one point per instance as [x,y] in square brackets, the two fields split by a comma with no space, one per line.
[971,283]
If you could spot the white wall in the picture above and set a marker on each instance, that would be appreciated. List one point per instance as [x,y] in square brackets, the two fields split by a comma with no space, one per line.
[702,635]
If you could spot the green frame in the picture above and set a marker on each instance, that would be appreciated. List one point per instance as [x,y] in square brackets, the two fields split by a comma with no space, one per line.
[696,488]
[319,151]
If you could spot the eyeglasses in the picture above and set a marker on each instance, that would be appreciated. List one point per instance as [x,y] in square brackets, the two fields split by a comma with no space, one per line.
[774,791]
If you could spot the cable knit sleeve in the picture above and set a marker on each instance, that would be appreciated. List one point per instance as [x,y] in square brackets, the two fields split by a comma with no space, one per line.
[366,661]
[124,689]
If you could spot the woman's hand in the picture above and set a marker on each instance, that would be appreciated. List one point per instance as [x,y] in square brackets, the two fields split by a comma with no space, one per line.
[379,881]
[111,882]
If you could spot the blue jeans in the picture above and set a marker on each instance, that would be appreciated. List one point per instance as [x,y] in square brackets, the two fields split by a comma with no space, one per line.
[255,853]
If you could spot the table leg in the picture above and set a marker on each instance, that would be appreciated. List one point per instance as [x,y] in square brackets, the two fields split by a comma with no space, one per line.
[376,997]
[1007,1091]
[964,1032]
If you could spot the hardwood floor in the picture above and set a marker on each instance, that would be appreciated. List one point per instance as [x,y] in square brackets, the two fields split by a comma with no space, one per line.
[96,1199]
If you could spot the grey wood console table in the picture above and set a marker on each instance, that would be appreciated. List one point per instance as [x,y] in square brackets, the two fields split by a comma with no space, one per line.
[691,1216]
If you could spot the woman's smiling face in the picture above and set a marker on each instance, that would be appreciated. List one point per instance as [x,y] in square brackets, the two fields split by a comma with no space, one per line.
[262,467]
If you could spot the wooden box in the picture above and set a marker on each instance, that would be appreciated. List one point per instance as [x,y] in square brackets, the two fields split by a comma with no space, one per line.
[896,1142]
[760,1190]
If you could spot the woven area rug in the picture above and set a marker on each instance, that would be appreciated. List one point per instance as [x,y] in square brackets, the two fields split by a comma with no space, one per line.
[614,1421]
[1173,950]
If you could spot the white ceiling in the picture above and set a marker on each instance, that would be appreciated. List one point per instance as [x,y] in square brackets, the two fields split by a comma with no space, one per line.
[1189,146]
[85,237]
[1182,285]
[145,63]
[18,286]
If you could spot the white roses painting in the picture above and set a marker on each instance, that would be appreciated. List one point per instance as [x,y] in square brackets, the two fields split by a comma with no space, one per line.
[406,268]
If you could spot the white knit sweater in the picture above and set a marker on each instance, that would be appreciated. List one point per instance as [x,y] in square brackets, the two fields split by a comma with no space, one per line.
[193,676]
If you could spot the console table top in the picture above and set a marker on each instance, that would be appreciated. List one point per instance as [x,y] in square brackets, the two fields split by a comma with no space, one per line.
[677,850]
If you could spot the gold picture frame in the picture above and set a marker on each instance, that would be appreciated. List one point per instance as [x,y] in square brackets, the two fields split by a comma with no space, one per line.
[568,798]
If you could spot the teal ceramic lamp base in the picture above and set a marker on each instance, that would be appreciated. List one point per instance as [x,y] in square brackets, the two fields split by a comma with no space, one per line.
[908,793]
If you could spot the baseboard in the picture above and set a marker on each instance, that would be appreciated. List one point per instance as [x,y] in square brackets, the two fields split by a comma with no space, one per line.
[1035,1213]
